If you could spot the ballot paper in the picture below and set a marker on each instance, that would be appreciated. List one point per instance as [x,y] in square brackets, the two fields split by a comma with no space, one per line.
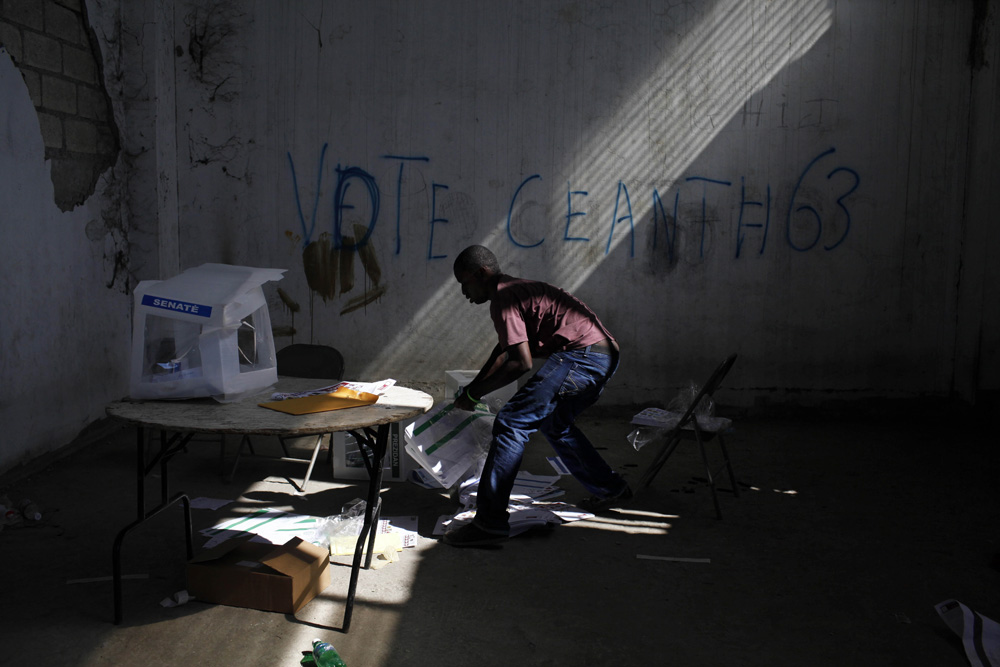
[530,505]
[377,388]
[277,527]
[980,635]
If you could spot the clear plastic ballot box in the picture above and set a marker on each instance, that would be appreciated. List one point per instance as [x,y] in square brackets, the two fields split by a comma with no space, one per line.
[204,332]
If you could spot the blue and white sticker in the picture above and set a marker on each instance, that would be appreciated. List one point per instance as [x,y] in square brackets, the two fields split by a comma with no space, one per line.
[558,465]
[174,305]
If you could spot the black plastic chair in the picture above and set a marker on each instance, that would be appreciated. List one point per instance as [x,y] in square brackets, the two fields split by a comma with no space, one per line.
[302,360]
[702,430]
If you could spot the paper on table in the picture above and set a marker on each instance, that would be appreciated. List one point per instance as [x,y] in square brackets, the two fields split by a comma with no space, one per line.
[377,388]
[336,400]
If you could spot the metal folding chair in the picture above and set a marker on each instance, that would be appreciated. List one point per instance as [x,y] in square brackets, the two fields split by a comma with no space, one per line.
[688,425]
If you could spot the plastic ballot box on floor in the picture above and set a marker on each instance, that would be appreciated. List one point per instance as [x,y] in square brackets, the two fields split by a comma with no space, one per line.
[204,332]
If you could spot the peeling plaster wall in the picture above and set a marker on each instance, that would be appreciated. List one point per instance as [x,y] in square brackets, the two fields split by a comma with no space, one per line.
[65,313]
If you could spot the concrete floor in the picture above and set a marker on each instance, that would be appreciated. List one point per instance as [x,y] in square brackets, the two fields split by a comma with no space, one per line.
[847,532]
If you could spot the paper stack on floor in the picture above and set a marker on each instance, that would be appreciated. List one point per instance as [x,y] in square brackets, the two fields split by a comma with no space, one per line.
[530,505]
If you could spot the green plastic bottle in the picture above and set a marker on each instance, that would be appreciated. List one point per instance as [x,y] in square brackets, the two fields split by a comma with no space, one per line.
[324,655]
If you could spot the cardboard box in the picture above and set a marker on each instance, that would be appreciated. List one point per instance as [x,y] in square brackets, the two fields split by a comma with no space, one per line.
[454,380]
[348,464]
[258,575]
[204,332]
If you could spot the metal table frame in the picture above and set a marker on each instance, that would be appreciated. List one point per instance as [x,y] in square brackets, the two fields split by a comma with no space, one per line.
[368,424]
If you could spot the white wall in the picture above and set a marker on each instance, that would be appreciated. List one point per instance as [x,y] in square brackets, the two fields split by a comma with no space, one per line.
[792,181]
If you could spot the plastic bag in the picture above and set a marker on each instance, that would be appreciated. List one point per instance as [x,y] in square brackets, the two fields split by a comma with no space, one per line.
[643,435]
[681,402]
[348,523]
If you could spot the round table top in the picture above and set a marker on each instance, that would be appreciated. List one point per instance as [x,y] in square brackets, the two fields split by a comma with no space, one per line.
[206,415]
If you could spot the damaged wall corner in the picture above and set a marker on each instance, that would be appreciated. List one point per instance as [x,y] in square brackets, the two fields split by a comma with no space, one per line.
[55,49]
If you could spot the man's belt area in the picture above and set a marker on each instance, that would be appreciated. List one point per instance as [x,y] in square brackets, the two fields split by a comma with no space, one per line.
[604,347]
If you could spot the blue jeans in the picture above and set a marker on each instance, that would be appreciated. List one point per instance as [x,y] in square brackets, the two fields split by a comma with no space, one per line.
[567,384]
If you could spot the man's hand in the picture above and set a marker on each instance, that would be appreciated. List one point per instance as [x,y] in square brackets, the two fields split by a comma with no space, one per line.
[463,402]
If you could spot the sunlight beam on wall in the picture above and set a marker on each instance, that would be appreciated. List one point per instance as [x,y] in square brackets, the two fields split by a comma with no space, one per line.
[734,52]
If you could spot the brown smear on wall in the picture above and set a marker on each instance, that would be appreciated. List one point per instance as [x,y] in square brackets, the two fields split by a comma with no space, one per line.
[320,263]
[368,260]
[323,264]
[346,266]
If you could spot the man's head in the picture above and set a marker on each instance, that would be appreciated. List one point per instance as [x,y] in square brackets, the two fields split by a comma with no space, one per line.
[475,270]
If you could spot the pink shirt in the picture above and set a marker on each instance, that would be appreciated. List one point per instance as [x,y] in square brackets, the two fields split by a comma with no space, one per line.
[548,318]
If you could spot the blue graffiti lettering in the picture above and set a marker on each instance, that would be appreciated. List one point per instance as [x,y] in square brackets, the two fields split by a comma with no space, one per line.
[307,233]
[510,213]
[704,207]
[740,224]
[434,221]
[658,213]
[570,213]
[840,202]
[399,191]
[615,220]
[344,177]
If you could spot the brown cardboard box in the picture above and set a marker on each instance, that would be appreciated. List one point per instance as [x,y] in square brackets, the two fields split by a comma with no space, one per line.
[260,575]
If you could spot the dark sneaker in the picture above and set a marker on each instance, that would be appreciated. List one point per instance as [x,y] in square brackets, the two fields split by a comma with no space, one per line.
[596,504]
[471,535]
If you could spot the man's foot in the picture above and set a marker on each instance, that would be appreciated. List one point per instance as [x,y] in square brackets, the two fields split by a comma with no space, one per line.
[471,535]
[596,504]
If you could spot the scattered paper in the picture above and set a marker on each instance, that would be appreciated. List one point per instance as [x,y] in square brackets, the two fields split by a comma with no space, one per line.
[176,600]
[268,525]
[558,465]
[980,635]
[421,477]
[208,503]
[528,508]
[278,527]
[675,559]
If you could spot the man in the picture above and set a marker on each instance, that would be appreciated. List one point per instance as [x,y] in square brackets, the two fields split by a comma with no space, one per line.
[535,319]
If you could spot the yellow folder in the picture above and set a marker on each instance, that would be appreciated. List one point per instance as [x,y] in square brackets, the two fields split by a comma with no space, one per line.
[335,400]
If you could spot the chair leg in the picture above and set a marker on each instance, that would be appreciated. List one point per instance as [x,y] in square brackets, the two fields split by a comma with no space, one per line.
[284,447]
[661,458]
[312,461]
[239,451]
[708,471]
[729,465]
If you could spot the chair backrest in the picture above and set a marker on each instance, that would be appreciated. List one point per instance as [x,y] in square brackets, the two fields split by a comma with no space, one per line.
[302,360]
[708,388]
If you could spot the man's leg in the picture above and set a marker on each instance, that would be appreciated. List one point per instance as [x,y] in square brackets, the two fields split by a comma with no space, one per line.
[514,424]
[581,389]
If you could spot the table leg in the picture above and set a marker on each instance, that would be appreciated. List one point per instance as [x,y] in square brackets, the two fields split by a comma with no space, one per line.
[116,555]
[140,472]
[372,512]
[142,516]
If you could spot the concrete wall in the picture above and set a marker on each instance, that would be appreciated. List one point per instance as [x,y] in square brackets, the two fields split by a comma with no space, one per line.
[808,184]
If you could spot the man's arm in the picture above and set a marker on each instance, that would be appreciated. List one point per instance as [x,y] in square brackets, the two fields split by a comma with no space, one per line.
[502,368]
